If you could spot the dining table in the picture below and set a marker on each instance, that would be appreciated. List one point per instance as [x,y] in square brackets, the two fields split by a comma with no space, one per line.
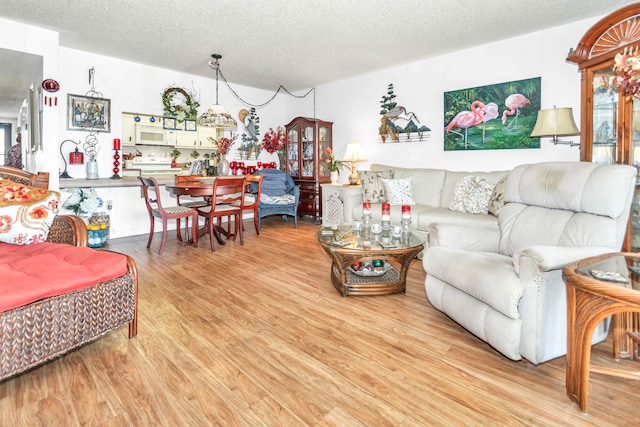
[198,189]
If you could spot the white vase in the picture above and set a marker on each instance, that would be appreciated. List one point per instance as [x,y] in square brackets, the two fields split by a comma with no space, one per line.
[334,177]
[92,169]
[223,166]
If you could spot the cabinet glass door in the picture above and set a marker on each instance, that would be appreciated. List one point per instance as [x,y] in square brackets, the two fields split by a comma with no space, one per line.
[293,140]
[605,118]
[308,154]
[324,137]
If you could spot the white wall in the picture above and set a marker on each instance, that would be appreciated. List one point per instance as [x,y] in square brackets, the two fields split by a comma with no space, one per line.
[37,41]
[138,88]
[354,104]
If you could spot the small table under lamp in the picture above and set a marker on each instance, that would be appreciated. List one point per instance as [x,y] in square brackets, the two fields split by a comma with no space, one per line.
[354,155]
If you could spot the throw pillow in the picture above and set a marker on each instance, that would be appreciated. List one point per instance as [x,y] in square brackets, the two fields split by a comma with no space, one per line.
[26,213]
[471,195]
[398,191]
[496,202]
[372,188]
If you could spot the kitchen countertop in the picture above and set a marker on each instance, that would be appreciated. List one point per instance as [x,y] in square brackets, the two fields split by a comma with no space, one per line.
[108,182]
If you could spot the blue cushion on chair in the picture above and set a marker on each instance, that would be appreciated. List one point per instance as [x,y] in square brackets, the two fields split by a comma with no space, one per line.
[274,185]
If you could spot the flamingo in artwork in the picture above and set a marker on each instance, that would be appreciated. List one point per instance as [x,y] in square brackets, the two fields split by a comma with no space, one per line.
[514,102]
[490,112]
[465,119]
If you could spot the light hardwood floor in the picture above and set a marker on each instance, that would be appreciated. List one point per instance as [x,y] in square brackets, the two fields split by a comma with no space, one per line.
[257,336]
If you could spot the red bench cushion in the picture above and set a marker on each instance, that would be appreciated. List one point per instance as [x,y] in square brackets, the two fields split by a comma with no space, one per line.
[32,272]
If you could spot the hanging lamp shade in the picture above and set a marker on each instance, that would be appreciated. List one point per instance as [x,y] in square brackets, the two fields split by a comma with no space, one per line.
[216,115]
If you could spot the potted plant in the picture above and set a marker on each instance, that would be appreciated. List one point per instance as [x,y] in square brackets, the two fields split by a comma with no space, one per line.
[334,165]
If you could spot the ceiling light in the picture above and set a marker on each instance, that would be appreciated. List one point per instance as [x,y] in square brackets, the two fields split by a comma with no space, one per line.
[216,116]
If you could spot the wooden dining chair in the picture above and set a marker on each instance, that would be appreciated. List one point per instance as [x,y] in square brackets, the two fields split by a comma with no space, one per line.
[251,199]
[190,202]
[228,192]
[151,194]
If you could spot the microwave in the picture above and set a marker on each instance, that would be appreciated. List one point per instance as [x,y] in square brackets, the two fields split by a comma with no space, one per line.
[150,135]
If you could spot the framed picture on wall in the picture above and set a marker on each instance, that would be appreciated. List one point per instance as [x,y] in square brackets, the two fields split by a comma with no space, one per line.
[492,117]
[88,113]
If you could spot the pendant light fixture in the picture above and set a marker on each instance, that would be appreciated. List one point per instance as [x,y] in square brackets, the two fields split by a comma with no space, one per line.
[216,116]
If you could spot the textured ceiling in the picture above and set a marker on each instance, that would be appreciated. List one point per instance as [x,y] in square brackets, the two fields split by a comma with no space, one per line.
[298,44]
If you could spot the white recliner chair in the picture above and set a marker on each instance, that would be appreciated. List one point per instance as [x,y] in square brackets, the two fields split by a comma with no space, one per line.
[505,286]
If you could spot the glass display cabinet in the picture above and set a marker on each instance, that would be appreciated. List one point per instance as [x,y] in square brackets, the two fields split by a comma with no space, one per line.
[306,152]
[610,118]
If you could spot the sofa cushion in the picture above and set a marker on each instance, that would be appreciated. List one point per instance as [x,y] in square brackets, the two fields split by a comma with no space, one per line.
[574,204]
[452,178]
[478,277]
[33,272]
[426,184]
[472,195]
[398,191]
[26,213]
[425,216]
[496,202]
[372,188]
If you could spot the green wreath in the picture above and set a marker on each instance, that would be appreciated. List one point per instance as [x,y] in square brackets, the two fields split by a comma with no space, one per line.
[181,109]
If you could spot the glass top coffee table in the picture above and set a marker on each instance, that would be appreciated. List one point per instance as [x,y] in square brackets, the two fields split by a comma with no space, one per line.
[365,263]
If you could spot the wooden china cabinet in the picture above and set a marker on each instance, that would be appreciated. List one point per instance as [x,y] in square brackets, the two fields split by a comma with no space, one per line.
[307,143]
[610,119]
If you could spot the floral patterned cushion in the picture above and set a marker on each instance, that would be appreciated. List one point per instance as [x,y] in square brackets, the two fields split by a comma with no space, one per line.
[372,188]
[471,195]
[26,213]
[286,199]
[496,202]
[398,191]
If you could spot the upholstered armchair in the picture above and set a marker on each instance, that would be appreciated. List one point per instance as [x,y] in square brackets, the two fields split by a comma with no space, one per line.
[505,286]
[280,195]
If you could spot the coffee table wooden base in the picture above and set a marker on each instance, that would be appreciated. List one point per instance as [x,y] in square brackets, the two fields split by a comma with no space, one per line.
[393,281]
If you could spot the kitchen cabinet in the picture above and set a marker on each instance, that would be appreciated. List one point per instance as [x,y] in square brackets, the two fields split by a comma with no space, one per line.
[154,133]
[306,152]
[610,119]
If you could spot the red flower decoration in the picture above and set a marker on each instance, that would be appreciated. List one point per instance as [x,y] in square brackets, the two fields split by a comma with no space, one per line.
[273,141]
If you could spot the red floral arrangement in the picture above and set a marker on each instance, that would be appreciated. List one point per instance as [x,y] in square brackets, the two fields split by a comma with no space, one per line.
[224,144]
[273,140]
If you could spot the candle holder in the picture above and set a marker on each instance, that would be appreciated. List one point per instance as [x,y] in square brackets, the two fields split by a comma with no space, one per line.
[405,225]
[116,165]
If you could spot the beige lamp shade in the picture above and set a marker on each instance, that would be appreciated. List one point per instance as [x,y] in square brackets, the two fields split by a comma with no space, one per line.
[354,155]
[555,122]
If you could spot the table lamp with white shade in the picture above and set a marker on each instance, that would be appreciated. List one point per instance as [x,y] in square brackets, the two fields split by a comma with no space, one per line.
[354,155]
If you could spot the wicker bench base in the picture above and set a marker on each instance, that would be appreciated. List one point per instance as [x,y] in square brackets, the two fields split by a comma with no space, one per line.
[46,329]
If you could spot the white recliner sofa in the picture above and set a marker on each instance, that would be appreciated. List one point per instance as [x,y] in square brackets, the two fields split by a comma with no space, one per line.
[505,286]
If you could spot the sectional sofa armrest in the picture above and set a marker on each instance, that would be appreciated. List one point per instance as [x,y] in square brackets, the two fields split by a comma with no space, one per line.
[549,258]
[351,197]
[482,239]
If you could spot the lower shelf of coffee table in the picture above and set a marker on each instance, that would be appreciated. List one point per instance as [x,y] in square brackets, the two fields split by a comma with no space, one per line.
[388,283]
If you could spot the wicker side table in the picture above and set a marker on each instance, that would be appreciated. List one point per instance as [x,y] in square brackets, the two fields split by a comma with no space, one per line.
[589,301]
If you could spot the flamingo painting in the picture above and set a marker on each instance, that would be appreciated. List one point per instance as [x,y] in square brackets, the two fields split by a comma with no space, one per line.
[479,113]
[496,127]
[514,102]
